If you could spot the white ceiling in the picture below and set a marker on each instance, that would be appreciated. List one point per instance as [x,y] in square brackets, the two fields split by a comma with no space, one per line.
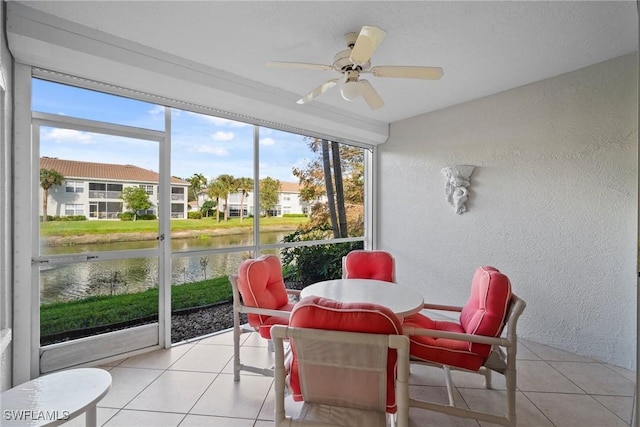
[484,47]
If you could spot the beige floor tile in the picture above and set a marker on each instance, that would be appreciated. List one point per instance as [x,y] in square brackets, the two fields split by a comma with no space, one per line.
[254,356]
[435,394]
[595,378]
[291,408]
[550,353]
[225,338]
[524,353]
[421,417]
[204,358]
[474,380]
[619,405]
[126,384]
[211,421]
[495,402]
[128,418]
[228,398]
[574,410]
[426,375]
[173,391]
[627,373]
[158,359]
[540,376]
[103,415]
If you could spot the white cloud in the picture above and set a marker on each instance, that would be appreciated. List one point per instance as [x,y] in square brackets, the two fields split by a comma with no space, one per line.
[69,135]
[211,149]
[223,136]
[157,110]
[267,141]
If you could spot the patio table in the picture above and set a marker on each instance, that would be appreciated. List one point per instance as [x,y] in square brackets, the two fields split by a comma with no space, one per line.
[402,300]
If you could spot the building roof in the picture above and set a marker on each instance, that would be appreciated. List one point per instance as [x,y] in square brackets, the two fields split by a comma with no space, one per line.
[103,171]
[289,187]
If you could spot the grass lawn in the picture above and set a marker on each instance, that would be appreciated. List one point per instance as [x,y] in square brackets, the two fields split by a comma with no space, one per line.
[106,310]
[77,228]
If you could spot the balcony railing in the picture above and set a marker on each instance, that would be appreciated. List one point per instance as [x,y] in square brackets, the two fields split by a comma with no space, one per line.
[177,196]
[93,194]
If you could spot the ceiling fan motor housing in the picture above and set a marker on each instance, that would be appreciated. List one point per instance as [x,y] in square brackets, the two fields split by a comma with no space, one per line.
[342,61]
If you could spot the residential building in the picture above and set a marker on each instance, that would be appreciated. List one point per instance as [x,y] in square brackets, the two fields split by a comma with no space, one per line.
[95,189]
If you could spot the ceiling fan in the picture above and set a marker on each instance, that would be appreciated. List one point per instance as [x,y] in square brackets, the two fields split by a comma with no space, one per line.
[356,60]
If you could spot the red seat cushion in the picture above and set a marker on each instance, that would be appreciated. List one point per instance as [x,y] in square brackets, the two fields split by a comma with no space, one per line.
[484,314]
[322,313]
[377,265]
[261,285]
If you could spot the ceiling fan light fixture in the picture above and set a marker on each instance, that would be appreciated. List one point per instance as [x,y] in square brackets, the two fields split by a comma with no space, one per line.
[351,91]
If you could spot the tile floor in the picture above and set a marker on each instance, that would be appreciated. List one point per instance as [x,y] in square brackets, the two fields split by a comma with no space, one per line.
[192,385]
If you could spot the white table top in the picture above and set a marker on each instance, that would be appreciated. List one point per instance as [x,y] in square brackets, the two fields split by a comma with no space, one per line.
[403,301]
[53,399]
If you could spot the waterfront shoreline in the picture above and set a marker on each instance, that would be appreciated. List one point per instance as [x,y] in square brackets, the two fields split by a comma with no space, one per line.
[144,236]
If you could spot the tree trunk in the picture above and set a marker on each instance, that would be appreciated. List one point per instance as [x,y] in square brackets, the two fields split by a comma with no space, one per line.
[226,208]
[45,197]
[340,207]
[242,206]
[217,209]
[328,182]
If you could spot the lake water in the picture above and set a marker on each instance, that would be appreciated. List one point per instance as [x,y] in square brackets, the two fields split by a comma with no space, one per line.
[79,280]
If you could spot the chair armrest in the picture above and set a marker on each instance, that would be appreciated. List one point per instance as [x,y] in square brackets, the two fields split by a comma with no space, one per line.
[265,311]
[410,330]
[441,307]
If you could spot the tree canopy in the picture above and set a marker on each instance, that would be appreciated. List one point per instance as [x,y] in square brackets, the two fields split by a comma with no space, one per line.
[48,178]
[136,199]
[269,194]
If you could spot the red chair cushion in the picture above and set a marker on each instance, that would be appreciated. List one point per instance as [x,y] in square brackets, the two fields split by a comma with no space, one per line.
[377,265]
[441,350]
[261,285]
[323,313]
[484,314]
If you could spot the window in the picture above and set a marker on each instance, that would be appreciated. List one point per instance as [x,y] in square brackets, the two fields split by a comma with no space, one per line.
[147,188]
[74,187]
[73,209]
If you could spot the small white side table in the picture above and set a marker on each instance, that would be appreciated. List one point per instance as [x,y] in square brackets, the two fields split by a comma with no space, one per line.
[54,399]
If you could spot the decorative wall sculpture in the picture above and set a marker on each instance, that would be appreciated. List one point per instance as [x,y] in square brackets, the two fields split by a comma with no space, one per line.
[458,179]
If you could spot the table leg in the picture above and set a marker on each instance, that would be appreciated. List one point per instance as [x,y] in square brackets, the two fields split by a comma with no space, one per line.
[92,416]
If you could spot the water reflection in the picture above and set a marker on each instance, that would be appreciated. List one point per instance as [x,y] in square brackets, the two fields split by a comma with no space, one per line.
[83,279]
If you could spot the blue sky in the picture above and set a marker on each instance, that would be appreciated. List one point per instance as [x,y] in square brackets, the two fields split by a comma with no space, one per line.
[199,143]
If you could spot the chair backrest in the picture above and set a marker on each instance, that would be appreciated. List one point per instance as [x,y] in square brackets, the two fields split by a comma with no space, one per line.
[361,264]
[345,374]
[486,310]
[261,285]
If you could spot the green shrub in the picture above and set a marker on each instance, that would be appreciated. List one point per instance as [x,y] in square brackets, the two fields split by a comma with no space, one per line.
[148,217]
[194,215]
[294,215]
[309,264]
[126,216]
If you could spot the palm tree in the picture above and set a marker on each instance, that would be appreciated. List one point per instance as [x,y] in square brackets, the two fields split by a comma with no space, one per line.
[228,183]
[217,191]
[326,163]
[244,185]
[198,181]
[48,179]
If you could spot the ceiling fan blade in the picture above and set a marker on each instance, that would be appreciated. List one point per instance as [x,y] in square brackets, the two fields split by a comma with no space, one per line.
[318,91]
[302,65]
[428,73]
[370,95]
[367,41]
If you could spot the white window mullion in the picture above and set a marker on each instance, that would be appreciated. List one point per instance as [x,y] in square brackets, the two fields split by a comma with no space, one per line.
[164,224]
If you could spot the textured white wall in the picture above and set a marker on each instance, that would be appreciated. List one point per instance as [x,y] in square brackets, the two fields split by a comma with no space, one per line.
[553,204]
